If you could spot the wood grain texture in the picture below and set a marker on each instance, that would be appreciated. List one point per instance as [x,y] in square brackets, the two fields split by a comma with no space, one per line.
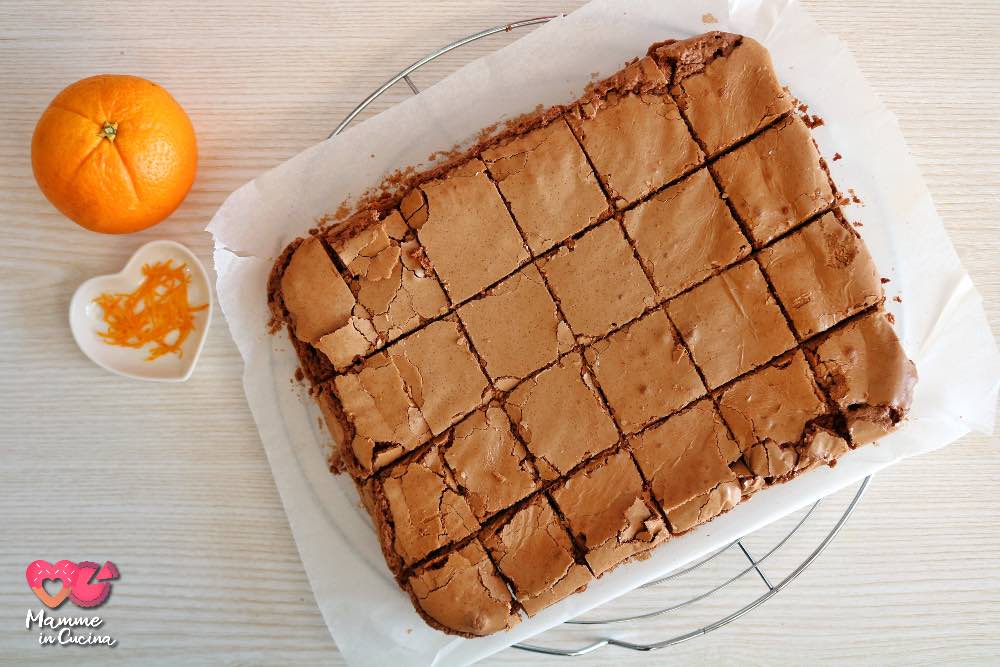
[171,481]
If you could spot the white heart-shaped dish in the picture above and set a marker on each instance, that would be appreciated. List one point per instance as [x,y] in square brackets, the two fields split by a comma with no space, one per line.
[85,317]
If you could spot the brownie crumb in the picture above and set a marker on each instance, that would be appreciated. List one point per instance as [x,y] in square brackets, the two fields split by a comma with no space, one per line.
[857,224]
[812,121]
[299,375]
[708,18]
[854,196]
[449,154]
[885,281]
[342,211]
[890,317]
[837,156]
[897,299]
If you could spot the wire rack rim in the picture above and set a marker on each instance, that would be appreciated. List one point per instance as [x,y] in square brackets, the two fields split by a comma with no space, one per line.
[754,564]
[673,641]
[404,75]
[408,70]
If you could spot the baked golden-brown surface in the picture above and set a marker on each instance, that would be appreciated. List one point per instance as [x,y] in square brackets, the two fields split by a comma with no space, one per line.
[592,333]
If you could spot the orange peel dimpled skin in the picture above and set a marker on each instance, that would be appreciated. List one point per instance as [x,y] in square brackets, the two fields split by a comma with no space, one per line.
[114,153]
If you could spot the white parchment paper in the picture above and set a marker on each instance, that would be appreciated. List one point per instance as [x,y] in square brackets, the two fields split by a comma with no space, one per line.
[940,319]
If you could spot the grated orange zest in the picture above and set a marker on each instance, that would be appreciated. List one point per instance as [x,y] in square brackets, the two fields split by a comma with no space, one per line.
[157,312]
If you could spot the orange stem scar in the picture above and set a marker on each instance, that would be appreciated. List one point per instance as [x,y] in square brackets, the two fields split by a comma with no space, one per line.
[108,131]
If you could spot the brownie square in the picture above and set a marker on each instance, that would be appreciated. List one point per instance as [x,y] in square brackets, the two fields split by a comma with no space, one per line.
[598,282]
[490,465]
[637,143]
[440,373]
[314,293]
[422,507]
[548,183]
[732,97]
[775,181]
[465,229]
[644,371]
[822,274]
[769,412]
[731,323]
[394,291]
[686,461]
[685,233]
[609,513]
[560,417]
[533,551]
[379,415]
[516,328]
[461,592]
[418,387]
[865,371]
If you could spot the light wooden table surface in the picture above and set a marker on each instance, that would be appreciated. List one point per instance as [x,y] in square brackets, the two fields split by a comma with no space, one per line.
[171,482]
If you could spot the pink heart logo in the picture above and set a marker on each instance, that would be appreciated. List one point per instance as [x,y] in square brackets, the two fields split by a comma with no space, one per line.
[41,571]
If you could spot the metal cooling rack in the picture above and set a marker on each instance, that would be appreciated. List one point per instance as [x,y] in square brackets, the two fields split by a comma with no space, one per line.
[727,577]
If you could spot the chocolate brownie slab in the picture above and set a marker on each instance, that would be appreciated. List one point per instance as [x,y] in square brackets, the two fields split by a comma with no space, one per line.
[592,331]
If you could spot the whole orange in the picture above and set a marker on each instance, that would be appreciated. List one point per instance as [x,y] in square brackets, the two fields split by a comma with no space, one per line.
[114,153]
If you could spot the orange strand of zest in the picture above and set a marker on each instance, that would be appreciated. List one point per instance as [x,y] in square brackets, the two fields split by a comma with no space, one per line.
[157,312]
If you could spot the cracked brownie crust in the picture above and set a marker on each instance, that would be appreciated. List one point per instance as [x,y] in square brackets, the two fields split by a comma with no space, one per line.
[533,550]
[592,332]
